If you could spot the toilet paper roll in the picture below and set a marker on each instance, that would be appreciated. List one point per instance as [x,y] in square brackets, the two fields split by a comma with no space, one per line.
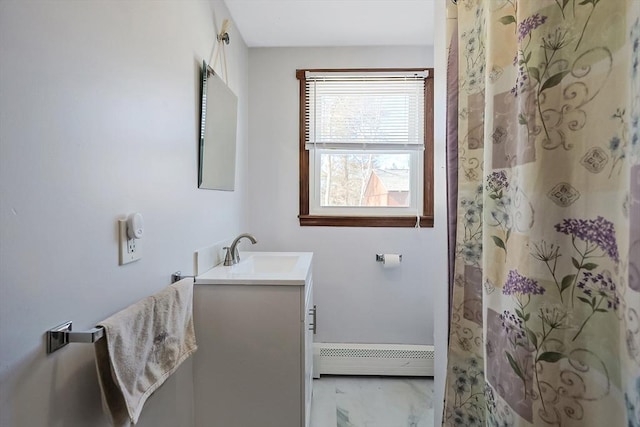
[391,260]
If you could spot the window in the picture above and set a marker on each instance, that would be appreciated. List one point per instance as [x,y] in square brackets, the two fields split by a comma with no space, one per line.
[366,147]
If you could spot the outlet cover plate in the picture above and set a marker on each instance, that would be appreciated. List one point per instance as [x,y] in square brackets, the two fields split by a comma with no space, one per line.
[130,249]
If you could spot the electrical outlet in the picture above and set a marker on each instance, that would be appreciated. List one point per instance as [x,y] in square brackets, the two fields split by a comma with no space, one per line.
[130,249]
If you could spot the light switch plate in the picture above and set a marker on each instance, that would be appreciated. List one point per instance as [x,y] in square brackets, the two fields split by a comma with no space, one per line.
[130,249]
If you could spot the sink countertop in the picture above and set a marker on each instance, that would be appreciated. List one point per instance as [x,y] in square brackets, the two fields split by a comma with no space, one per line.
[261,268]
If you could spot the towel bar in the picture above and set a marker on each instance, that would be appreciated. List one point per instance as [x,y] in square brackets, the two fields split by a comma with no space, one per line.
[62,335]
[177,276]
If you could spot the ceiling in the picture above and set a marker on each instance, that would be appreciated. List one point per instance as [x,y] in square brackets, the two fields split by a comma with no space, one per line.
[288,23]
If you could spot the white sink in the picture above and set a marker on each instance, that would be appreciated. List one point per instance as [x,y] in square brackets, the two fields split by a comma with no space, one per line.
[266,263]
[262,268]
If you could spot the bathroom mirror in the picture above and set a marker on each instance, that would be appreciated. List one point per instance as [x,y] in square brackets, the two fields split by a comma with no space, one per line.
[218,120]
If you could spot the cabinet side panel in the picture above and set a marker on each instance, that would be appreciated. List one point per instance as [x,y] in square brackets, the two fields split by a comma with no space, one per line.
[307,352]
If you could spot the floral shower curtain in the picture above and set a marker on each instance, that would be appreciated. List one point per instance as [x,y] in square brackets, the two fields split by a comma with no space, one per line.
[545,310]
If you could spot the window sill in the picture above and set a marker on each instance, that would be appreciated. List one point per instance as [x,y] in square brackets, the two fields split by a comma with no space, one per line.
[364,221]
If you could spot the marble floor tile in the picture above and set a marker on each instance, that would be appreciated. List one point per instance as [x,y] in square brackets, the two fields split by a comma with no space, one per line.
[372,402]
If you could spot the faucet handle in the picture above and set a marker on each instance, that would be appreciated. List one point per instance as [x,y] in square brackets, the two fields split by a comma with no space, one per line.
[228,258]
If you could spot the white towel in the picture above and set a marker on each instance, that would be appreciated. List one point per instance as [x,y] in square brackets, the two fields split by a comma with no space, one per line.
[143,345]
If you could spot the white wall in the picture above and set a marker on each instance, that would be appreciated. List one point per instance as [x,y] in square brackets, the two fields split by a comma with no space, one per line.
[357,300]
[99,117]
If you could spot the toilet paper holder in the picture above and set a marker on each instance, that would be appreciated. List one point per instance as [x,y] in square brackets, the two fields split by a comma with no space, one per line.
[380,257]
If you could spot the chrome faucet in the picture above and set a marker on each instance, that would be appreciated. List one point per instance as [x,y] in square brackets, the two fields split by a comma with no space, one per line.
[232,256]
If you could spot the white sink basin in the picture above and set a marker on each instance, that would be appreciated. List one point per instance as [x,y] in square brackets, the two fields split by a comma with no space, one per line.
[266,263]
[262,268]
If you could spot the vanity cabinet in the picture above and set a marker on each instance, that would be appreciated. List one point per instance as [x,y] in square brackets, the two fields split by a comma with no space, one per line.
[253,367]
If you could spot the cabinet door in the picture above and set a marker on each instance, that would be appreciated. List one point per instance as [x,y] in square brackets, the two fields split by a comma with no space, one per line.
[248,368]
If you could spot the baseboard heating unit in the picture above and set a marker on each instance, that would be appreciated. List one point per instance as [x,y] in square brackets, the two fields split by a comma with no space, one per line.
[372,359]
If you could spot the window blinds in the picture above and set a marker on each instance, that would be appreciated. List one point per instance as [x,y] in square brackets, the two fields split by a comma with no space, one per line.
[365,110]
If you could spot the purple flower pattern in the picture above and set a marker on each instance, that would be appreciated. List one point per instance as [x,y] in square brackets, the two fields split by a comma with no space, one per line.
[513,328]
[600,285]
[635,125]
[517,284]
[531,23]
[598,289]
[635,43]
[598,231]
[521,78]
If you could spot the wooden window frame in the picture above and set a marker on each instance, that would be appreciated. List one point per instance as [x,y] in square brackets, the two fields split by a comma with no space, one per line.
[426,218]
